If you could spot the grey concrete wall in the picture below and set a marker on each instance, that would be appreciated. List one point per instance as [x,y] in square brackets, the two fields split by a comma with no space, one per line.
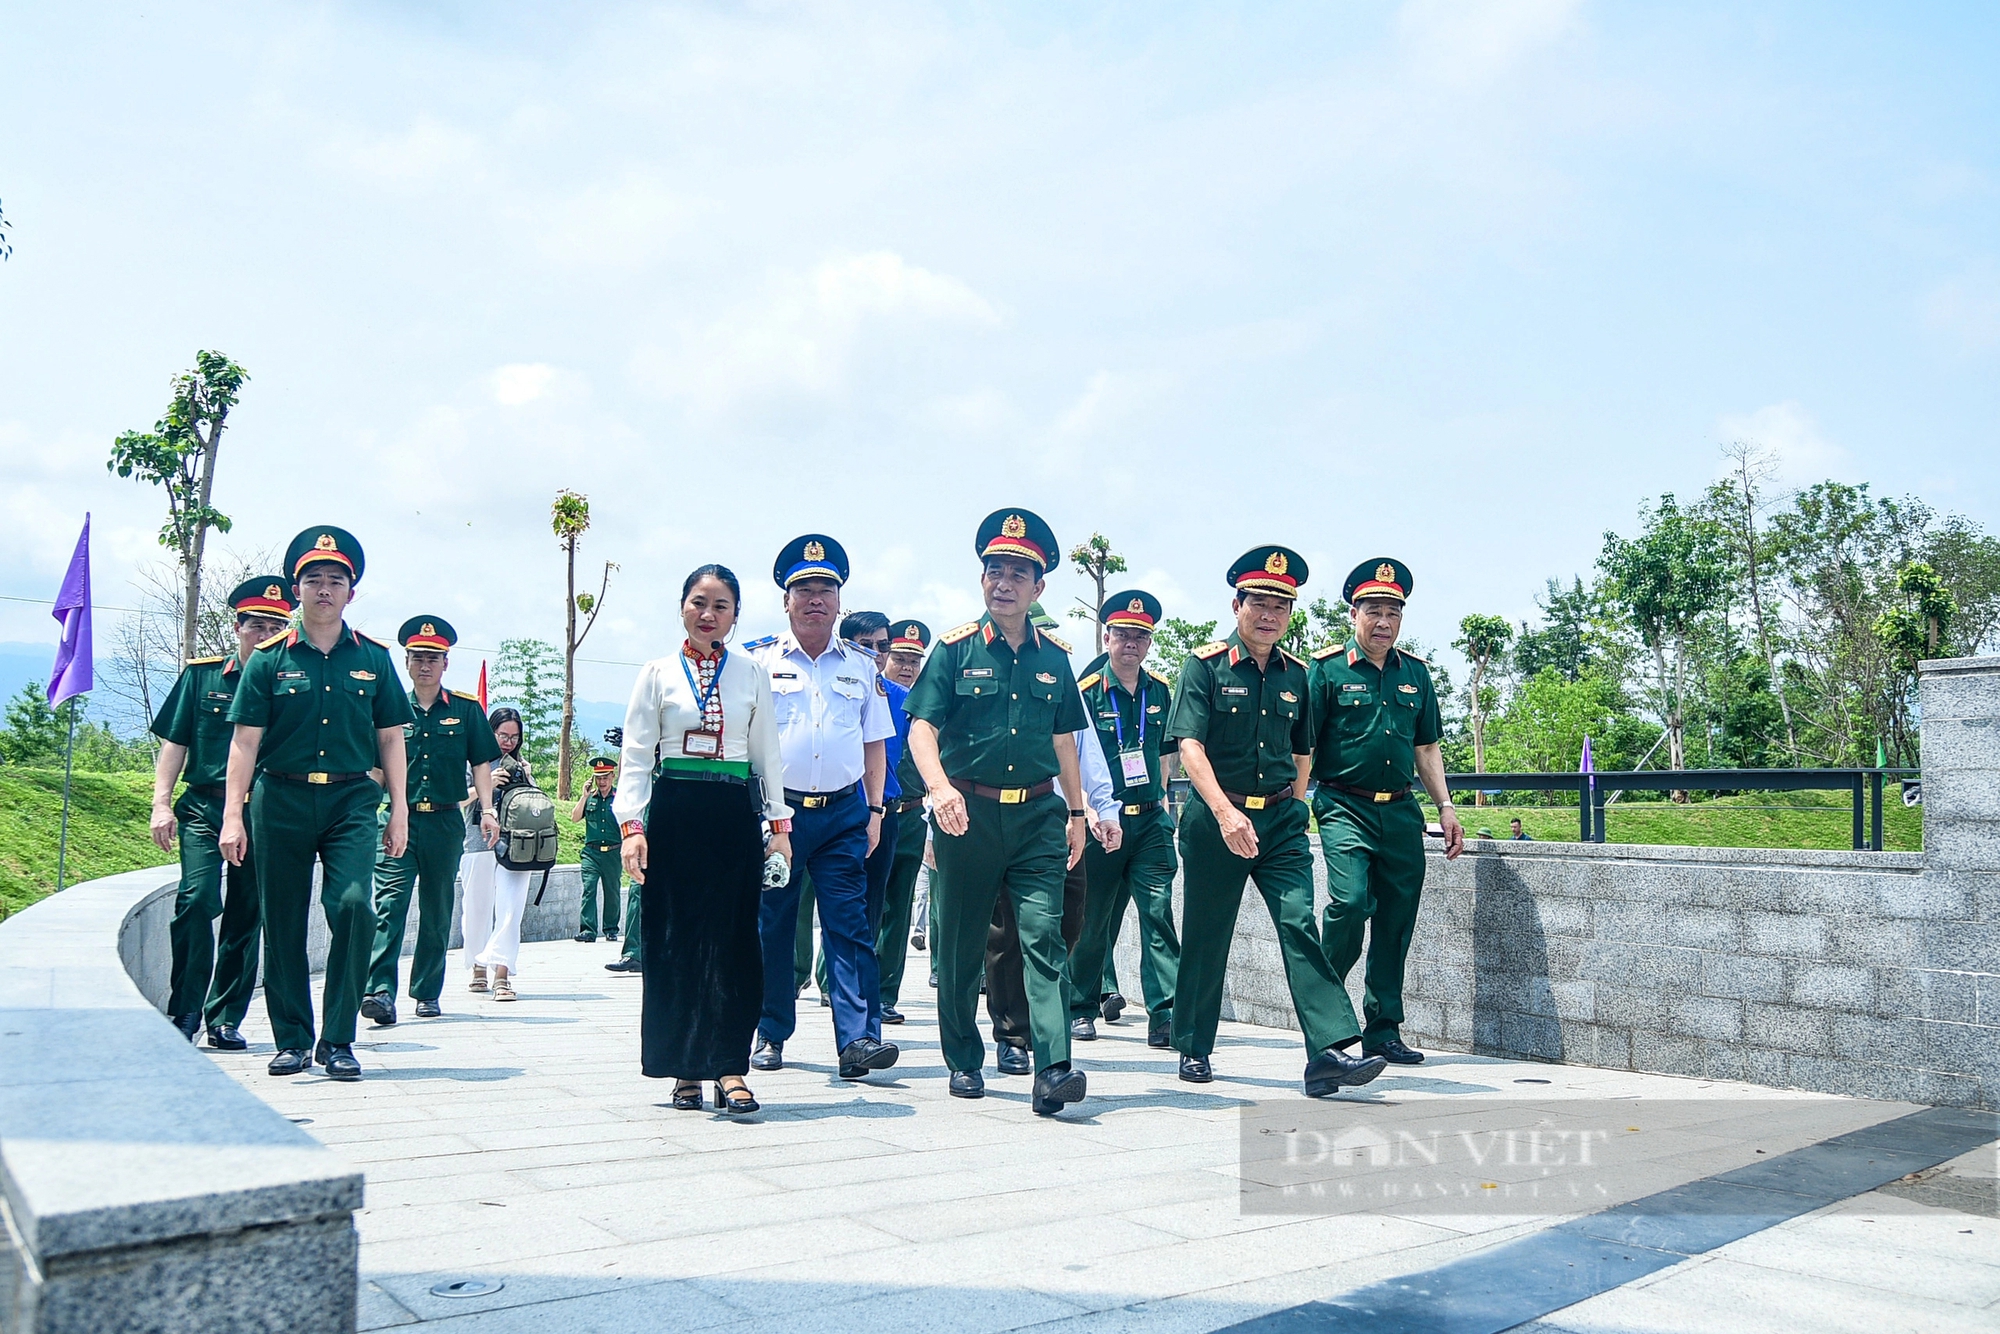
[1875,974]
[555,919]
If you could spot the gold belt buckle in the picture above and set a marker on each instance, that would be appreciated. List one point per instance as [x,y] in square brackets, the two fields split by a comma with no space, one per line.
[1384,796]
[812,803]
[320,779]
[426,807]
[1254,803]
[1013,796]
[1135,810]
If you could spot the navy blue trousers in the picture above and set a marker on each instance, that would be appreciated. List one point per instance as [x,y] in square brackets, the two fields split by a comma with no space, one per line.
[831,845]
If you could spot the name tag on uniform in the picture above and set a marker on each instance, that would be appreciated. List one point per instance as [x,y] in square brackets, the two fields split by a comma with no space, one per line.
[291,676]
[970,672]
[1133,762]
[1353,685]
[705,745]
[220,694]
[1235,690]
[784,676]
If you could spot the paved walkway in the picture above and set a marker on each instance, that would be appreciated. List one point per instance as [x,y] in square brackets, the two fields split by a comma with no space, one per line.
[519,1143]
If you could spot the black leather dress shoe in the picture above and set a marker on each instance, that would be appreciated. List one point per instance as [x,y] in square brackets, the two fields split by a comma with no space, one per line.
[632,966]
[1010,1060]
[1196,1070]
[1333,1070]
[291,1061]
[891,1015]
[1055,1086]
[611,935]
[917,942]
[768,1055]
[968,1084]
[1083,1029]
[1159,1031]
[428,1009]
[825,1001]
[860,1056]
[1395,1053]
[189,1025]
[339,1062]
[933,979]
[379,1006]
[224,1037]
[1112,1006]
[585,937]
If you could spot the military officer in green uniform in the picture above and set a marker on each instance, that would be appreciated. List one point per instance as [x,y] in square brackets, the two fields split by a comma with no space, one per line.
[1244,723]
[448,736]
[602,871]
[908,642]
[319,707]
[1376,714]
[989,718]
[1127,704]
[211,981]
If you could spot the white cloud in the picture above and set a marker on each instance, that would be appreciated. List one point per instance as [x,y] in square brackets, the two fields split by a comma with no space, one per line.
[426,151]
[1470,44]
[521,383]
[1799,453]
[625,223]
[1967,308]
[1110,400]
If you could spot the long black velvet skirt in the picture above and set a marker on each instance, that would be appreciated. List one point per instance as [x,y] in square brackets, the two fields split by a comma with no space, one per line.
[704,974]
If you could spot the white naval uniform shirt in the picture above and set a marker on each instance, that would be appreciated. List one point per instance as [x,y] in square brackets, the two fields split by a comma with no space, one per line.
[827,709]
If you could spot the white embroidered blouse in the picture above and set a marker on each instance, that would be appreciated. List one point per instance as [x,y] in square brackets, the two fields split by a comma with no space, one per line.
[663,710]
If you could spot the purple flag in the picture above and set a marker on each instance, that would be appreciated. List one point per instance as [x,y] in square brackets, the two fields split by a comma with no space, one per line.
[1586,766]
[72,674]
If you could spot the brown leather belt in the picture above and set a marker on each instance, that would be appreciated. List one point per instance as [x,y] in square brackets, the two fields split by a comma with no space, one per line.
[1259,802]
[317,780]
[1006,796]
[1140,807]
[1400,794]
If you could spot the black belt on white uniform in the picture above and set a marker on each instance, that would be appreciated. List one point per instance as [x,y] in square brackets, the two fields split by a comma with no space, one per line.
[819,801]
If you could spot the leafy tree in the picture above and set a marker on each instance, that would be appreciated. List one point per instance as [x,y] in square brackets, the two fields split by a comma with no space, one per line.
[179,454]
[570,518]
[525,676]
[1096,561]
[1481,639]
[1543,726]
[1174,639]
[1313,628]
[35,734]
[1910,633]
[1579,633]
[1735,502]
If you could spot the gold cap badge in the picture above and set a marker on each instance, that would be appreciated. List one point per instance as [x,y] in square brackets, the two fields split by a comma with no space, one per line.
[1136,604]
[1014,526]
[1386,572]
[428,629]
[273,591]
[1276,563]
[909,632]
[814,551]
[326,543]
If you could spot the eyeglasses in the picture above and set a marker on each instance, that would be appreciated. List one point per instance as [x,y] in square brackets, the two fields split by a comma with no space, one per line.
[877,646]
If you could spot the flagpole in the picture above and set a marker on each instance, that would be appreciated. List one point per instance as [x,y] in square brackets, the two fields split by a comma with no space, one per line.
[69,755]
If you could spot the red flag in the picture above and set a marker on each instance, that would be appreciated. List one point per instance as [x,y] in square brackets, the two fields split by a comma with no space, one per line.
[482,685]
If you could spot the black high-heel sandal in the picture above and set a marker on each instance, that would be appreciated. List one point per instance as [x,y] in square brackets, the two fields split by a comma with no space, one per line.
[687,1096]
[728,1100]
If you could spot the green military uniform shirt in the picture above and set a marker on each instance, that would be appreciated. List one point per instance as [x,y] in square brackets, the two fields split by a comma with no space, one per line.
[320,711]
[599,824]
[997,712]
[1371,720]
[1141,720]
[196,715]
[1250,723]
[440,742]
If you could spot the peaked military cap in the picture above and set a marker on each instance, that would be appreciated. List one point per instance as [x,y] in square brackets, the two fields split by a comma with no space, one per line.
[261,595]
[909,636]
[1379,578]
[1017,533]
[603,764]
[325,543]
[1133,608]
[429,632]
[814,556]
[1275,570]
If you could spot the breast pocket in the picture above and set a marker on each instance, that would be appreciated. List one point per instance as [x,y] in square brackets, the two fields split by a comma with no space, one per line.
[845,700]
[1402,714]
[981,710]
[790,698]
[1038,706]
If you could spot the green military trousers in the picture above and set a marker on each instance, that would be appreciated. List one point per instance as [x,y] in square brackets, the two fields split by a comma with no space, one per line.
[892,940]
[1212,890]
[211,976]
[606,870]
[1142,872]
[634,950]
[429,866]
[1022,847]
[291,824]
[1374,875]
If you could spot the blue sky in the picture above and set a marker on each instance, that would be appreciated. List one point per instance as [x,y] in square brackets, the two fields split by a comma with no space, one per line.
[1458,283]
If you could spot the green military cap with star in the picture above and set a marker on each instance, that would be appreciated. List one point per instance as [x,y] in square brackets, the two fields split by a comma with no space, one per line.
[1019,533]
[1134,608]
[1278,571]
[325,544]
[261,595]
[427,632]
[813,556]
[909,637]
[1381,577]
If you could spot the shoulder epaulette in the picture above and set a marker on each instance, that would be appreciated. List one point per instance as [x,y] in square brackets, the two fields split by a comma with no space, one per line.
[208,662]
[469,699]
[372,639]
[1211,649]
[1057,642]
[1089,681]
[1327,652]
[1413,657]
[954,635]
[1159,676]
[756,644]
[274,639]
[1292,658]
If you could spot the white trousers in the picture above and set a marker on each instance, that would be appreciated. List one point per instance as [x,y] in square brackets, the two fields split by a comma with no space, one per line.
[495,899]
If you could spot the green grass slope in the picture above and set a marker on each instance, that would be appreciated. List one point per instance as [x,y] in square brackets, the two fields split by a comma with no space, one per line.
[107,829]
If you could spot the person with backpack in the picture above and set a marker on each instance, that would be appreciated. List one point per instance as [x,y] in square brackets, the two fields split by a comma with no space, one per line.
[497,882]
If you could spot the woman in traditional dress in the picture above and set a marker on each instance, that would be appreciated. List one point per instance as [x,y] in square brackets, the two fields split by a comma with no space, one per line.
[699,775]
[496,898]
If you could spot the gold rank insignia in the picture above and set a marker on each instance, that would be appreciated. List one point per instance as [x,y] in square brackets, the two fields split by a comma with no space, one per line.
[1211,649]
[1046,678]
[273,591]
[1276,563]
[1014,526]
[1386,572]
[1407,689]
[326,543]
[815,551]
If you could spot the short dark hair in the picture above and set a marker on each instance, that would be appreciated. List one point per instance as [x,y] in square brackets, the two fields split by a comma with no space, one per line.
[858,623]
[721,572]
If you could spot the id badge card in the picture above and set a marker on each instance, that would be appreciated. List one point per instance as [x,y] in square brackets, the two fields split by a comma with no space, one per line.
[1133,762]
[702,745]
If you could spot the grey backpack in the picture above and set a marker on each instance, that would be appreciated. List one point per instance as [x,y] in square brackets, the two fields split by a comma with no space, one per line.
[527,827]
